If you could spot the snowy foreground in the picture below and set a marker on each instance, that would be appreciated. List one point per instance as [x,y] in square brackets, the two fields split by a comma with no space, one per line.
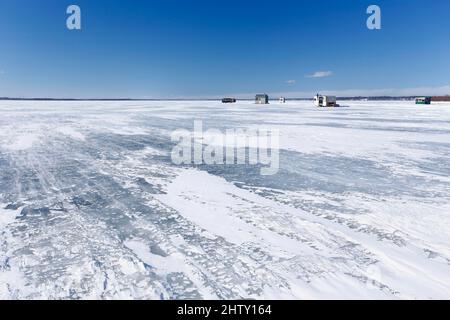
[92,207]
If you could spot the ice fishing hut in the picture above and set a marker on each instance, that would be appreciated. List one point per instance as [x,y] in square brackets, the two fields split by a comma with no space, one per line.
[282,100]
[325,101]
[423,100]
[262,99]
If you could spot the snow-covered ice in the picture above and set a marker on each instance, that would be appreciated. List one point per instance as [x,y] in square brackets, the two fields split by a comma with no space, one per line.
[91,206]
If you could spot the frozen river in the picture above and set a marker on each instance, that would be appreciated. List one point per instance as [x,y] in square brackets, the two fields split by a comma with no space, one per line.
[91,205]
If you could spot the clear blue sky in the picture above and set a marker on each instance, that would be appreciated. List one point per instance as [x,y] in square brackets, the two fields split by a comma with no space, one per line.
[203,48]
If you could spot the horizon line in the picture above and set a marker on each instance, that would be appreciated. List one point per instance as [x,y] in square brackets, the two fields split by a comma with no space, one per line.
[203,99]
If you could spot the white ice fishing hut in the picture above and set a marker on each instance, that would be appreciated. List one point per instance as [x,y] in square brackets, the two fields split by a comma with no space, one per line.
[325,101]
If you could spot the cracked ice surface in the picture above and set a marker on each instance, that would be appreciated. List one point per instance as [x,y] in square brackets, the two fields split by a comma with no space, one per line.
[92,207]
